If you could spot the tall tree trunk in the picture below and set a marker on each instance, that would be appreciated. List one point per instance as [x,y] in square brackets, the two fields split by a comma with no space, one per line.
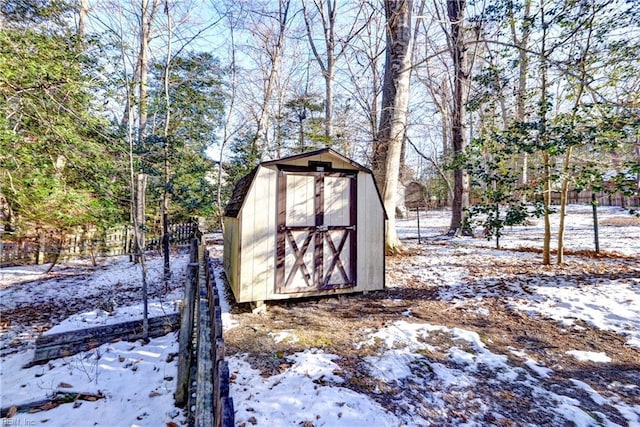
[141,189]
[226,130]
[544,141]
[275,56]
[82,19]
[330,71]
[522,44]
[582,62]
[136,191]
[395,101]
[456,12]
[564,193]
[328,103]
[147,17]
[327,66]
[165,190]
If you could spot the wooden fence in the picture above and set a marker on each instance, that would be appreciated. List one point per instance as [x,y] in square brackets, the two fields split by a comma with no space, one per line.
[203,374]
[48,246]
[603,198]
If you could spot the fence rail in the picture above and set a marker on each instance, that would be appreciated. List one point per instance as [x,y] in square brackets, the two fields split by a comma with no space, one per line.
[603,198]
[50,246]
[203,374]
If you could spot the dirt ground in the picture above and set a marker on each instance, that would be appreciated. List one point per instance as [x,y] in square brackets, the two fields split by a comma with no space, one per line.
[335,324]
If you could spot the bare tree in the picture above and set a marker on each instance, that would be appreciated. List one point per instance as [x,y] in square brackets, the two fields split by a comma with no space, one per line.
[433,71]
[136,184]
[365,69]
[147,16]
[327,11]
[393,119]
[458,48]
[521,41]
[228,131]
[272,43]
[165,190]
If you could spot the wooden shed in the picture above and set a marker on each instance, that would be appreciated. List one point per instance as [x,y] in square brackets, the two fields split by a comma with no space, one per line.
[306,225]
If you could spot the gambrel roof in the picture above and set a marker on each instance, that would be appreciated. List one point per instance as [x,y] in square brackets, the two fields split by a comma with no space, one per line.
[242,187]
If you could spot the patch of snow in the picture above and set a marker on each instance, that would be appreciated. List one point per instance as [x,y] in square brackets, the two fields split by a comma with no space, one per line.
[589,356]
[541,371]
[595,396]
[612,305]
[284,336]
[392,365]
[300,395]
[136,380]
[532,364]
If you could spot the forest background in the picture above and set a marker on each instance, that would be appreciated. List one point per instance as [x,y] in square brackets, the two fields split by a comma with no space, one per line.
[146,112]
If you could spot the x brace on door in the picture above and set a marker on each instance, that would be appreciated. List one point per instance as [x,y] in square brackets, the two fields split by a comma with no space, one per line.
[316,251]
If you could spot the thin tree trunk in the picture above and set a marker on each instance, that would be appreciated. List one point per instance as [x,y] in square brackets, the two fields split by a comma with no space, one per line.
[137,229]
[546,249]
[456,12]
[82,19]
[328,104]
[165,191]
[522,43]
[56,256]
[147,17]
[328,68]
[143,60]
[564,192]
[275,56]
[141,189]
[543,142]
[567,159]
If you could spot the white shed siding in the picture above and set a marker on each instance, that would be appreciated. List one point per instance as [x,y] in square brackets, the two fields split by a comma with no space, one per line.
[258,239]
[231,256]
[370,235]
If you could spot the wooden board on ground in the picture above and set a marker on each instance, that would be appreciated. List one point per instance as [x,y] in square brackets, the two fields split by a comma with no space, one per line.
[69,343]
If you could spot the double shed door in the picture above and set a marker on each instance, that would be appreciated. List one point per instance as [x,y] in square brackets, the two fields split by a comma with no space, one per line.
[316,236]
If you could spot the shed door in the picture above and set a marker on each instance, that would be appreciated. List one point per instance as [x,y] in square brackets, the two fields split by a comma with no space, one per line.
[316,243]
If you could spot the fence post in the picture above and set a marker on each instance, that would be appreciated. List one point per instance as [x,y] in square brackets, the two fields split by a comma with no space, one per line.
[594,204]
[186,329]
[41,249]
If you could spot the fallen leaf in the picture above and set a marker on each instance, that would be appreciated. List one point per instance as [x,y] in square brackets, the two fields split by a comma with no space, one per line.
[49,405]
[154,394]
[64,385]
[12,411]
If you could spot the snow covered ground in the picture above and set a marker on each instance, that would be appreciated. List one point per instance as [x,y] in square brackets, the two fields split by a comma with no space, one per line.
[579,230]
[136,380]
[423,373]
[429,374]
